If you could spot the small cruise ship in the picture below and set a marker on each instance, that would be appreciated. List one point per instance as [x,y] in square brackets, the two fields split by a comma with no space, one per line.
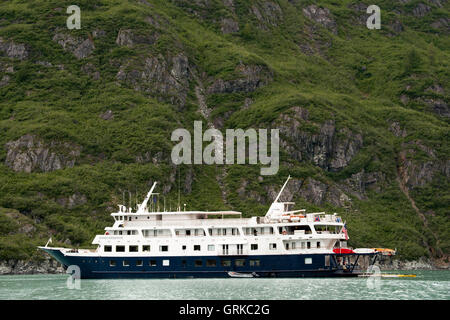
[149,243]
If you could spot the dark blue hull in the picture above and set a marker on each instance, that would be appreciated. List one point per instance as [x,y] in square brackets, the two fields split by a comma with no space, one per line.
[319,265]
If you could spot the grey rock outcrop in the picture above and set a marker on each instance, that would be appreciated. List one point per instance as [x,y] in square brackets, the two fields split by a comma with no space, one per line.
[29,153]
[417,173]
[13,50]
[167,78]
[107,115]
[80,48]
[76,199]
[48,265]
[421,10]
[4,80]
[328,148]
[268,14]
[321,16]
[251,78]
[229,25]
[438,106]
[131,38]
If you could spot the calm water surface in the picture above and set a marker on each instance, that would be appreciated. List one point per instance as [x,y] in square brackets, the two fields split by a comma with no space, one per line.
[427,285]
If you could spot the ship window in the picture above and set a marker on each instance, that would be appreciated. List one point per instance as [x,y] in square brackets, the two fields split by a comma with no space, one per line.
[166,263]
[126,263]
[133,248]
[146,248]
[211,247]
[197,247]
[139,263]
[318,244]
[108,249]
[183,263]
[152,263]
[163,248]
[308,260]
[112,263]
[308,244]
[211,263]
[198,263]
[255,263]
[272,246]
[120,248]
[303,245]
[225,263]
[287,246]
[254,246]
[188,233]
[327,260]
[129,218]
[239,262]
[183,247]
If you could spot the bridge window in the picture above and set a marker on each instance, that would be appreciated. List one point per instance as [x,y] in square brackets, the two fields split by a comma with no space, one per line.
[120,248]
[146,248]
[254,246]
[318,244]
[197,247]
[108,248]
[308,245]
[272,246]
[163,248]
[258,231]
[133,248]
[223,231]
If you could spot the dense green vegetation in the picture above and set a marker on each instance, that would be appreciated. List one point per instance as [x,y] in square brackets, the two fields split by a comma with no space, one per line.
[354,76]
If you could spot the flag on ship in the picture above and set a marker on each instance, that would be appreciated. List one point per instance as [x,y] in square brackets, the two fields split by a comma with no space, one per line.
[344,230]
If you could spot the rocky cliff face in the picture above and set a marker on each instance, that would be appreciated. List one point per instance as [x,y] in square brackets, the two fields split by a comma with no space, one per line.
[166,77]
[29,153]
[30,267]
[329,148]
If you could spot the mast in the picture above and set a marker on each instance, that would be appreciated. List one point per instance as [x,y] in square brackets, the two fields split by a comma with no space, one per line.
[144,203]
[276,208]
[281,191]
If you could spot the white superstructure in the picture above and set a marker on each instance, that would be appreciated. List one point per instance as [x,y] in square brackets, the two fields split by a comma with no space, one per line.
[148,232]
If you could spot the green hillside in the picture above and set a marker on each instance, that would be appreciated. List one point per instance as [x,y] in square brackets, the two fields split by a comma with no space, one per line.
[86,115]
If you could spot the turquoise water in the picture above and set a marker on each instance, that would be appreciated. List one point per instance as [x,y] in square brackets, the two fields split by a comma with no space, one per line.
[427,285]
